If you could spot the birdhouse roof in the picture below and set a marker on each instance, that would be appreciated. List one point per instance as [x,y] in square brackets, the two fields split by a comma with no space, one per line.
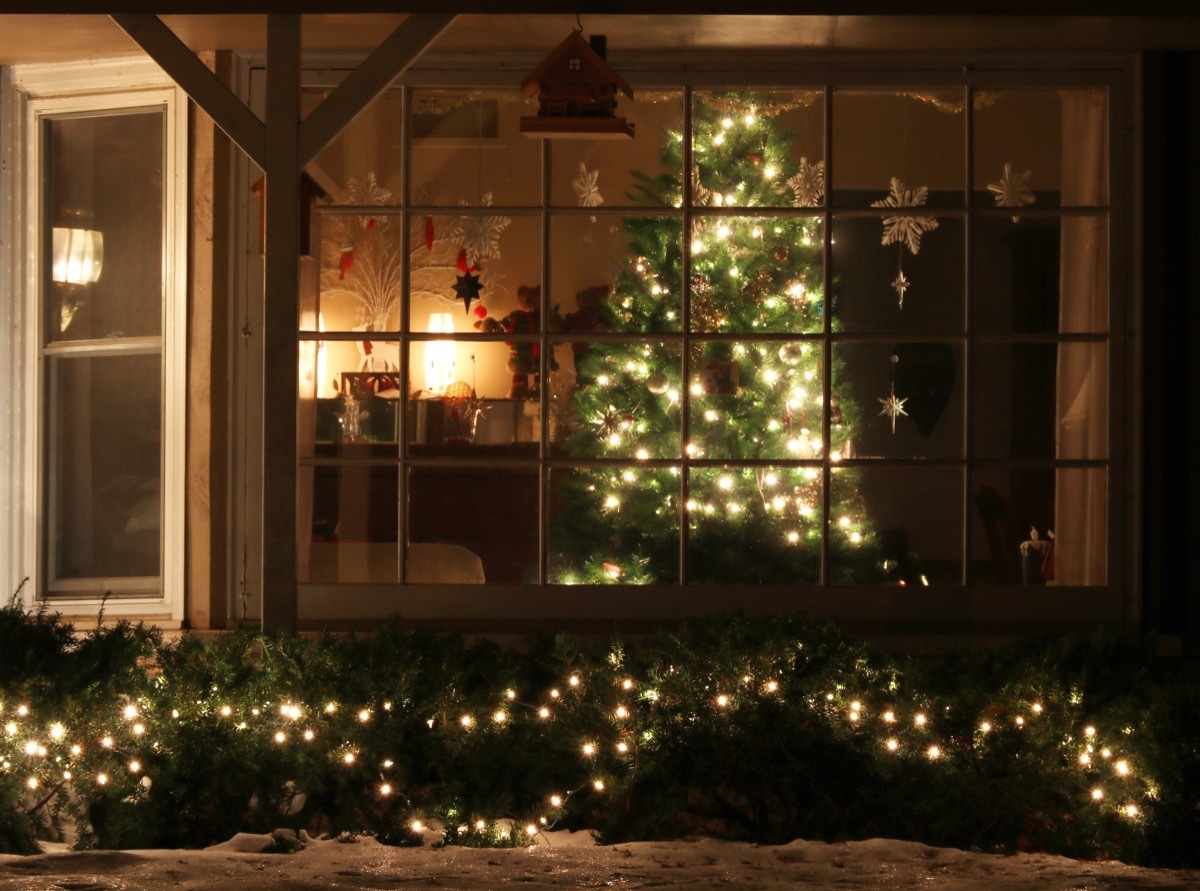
[573,44]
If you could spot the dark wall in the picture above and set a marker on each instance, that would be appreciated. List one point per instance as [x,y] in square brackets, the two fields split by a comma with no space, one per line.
[1171,577]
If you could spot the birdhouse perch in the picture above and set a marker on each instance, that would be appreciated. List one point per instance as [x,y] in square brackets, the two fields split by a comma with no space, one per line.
[577,93]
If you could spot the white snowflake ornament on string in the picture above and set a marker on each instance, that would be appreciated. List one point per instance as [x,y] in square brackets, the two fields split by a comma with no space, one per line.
[906,230]
[1012,189]
[808,184]
[480,235]
[893,405]
[586,188]
[900,285]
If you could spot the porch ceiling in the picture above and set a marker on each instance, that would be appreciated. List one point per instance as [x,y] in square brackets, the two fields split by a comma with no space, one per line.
[55,38]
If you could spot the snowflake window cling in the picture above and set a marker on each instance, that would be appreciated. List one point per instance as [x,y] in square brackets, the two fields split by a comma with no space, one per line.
[1012,190]
[904,230]
[586,188]
[893,406]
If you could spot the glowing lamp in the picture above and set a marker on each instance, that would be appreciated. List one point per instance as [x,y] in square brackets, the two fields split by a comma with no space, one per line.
[439,354]
[77,255]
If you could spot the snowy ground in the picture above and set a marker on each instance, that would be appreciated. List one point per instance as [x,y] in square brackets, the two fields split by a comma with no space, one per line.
[562,861]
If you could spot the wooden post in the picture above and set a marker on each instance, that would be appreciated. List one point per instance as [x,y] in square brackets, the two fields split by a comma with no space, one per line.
[280,332]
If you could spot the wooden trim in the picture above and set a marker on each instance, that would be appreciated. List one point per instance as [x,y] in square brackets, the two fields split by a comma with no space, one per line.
[202,86]
[389,60]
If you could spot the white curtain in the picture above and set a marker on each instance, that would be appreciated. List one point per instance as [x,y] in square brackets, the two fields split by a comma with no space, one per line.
[1082,385]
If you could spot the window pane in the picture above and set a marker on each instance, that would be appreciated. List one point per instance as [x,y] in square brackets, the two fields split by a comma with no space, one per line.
[1065,507]
[757,400]
[914,137]
[1039,275]
[926,419]
[614,524]
[754,525]
[1040,147]
[361,267]
[475,265]
[105,207]
[1039,400]
[620,172]
[888,288]
[473,524]
[760,149]
[467,148]
[613,273]
[899,524]
[618,400]
[368,148]
[104,473]
[757,275]
[352,512]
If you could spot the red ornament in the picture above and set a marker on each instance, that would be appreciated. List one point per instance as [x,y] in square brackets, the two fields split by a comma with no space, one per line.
[347,259]
[481,312]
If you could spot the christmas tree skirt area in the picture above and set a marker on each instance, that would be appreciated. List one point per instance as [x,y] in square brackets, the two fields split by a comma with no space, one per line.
[571,860]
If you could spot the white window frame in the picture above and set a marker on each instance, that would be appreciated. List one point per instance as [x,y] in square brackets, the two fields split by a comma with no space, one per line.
[29,94]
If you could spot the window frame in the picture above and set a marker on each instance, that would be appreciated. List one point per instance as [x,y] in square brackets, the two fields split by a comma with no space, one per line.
[865,609]
[33,94]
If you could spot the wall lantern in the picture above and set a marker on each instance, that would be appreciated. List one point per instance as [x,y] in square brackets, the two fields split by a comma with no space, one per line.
[577,93]
[77,255]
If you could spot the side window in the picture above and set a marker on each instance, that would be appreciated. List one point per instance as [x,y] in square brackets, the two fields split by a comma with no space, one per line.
[105,326]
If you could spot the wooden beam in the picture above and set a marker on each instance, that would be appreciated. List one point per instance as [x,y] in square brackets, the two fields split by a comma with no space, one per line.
[280,332]
[389,60]
[202,86]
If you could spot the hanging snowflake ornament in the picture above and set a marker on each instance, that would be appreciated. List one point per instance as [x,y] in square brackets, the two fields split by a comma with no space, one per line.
[906,230]
[808,184]
[893,406]
[480,234]
[900,284]
[1012,190]
[586,188]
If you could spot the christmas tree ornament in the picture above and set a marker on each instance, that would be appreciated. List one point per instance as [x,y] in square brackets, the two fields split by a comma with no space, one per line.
[467,287]
[893,406]
[808,184]
[755,159]
[585,187]
[906,230]
[791,353]
[1012,190]
[479,235]
[701,196]
[657,383]
[900,284]
[781,253]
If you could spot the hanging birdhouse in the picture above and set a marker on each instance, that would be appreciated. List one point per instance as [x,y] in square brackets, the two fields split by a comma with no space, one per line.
[577,93]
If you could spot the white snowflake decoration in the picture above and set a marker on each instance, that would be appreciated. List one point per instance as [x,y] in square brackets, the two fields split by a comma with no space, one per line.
[808,184]
[893,407]
[480,235]
[368,192]
[905,230]
[586,188]
[1012,190]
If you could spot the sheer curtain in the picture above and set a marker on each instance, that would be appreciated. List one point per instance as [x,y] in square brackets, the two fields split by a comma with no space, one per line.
[306,415]
[1082,385]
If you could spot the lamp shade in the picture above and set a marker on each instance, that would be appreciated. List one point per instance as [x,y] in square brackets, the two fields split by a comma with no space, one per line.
[439,354]
[78,256]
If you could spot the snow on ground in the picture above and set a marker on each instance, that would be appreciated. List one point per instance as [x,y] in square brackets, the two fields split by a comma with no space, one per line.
[560,860]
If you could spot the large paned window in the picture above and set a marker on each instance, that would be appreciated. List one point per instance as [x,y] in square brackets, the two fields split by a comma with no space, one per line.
[824,335]
[105,325]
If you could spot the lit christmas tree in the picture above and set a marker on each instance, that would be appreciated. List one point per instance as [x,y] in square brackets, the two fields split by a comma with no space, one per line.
[754,388]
